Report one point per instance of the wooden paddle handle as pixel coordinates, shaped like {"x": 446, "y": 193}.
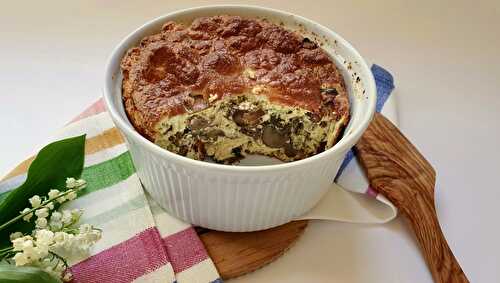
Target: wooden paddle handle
{"x": 438, "y": 255}
{"x": 396, "y": 169}
{"x": 440, "y": 259}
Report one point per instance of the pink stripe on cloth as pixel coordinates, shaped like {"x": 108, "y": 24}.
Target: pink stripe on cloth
{"x": 124, "y": 262}
{"x": 371, "y": 192}
{"x": 184, "y": 249}
{"x": 94, "y": 109}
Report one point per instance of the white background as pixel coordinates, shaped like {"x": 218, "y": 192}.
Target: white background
{"x": 445, "y": 58}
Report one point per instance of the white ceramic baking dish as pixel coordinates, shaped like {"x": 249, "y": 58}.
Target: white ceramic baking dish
{"x": 242, "y": 198}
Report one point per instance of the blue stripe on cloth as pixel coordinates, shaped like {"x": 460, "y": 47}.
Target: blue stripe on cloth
{"x": 385, "y": 85}
{"x": 12, "y": 183}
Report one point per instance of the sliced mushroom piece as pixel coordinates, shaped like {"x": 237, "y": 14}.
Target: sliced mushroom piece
{"x": 245, "y": 118}
{"x": 197, "y": 123}
{"x": 214, "y": 133}
{"x": 329, "y": 90}
{"x": 273, "y": 137}
{"x": 255, "y": 132}
{"x": 289, "y": 150}
{"x": 199, "y": 148}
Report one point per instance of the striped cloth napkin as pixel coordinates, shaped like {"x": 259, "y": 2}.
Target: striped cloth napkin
{"x": 141, "y": 242}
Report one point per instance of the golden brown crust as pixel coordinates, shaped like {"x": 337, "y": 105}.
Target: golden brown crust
{"x": 179, "y": 69}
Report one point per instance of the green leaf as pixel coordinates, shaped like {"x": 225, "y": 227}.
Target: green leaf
{"x": 24, "y": 274}
{"x": 53, "y": 164}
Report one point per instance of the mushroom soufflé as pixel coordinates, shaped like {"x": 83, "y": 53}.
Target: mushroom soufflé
{"x": 223, "y": 87}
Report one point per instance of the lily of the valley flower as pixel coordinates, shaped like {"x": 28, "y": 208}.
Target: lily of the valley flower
{"x": 55, "y": 236}
{"x": 41, "y": 223}
{"x": 15, "y": 235}
{"x": 42, "y": 205}
{"x": 28, "y": 216}
{"x": 61, "y": 243}
{"x": 35, "y": 201}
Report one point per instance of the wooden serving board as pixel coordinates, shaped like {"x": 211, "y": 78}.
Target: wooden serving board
{"x": 235, "y": 254}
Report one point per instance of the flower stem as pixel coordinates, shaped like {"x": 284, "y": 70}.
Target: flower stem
{"x": 60, "y": 258}
{"x": 20, "y": 216}
{"x": 70, "y": 230}
{"x": 4, "y": 253}
{"x": 6, "y": 249}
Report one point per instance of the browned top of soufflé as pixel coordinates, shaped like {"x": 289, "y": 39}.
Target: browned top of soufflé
{"x": 178, "y": 69}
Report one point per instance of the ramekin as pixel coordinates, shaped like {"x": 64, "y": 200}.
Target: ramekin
{"x": 242, "y": 198}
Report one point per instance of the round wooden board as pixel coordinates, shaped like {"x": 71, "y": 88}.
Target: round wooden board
{"x": 235, "y": 254}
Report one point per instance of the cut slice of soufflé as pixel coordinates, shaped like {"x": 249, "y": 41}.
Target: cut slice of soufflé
{"x": 223, "y": 87}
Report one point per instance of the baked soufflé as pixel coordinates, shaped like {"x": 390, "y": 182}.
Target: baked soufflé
{"x": 223, "y": 87}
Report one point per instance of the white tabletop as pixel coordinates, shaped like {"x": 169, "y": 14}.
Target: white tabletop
{"x": 446, "y": 62}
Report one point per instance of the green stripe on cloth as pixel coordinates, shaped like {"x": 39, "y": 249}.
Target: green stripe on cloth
{"x": 103, "y": 175}
{"x": 138, "y": 202}
{"x": 108, "y": 173}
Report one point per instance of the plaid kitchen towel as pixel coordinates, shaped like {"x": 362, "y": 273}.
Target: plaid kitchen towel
{"x": 141, "y": 242}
